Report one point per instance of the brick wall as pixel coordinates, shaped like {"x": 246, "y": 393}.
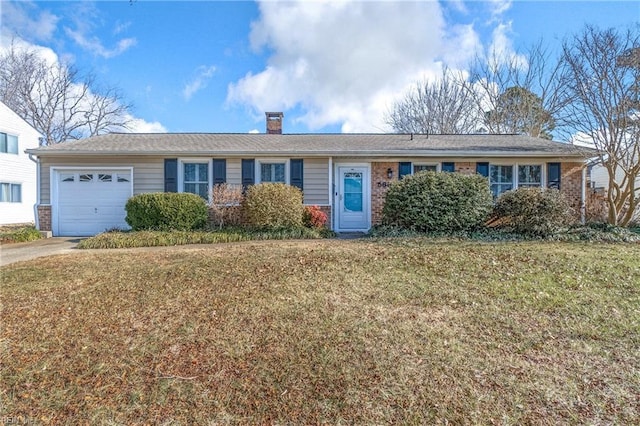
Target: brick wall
{"x": 44, "y": 218}
{"x": 327, "y": 210}
{"x": 571, "y": 184}
{"x": 379, "y": 187}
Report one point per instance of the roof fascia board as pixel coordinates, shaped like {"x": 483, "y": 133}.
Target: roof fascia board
{"x": 377, "y": 154}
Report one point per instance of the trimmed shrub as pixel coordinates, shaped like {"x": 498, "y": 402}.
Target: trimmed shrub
{"x": 273, "y": 205}
{"x": 313, "y": 217}
{"x": 533, "y": 211}
{"x": 431, "y": 201}
{"x": 164, "y": 211}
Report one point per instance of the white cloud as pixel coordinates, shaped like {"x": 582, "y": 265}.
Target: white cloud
{"x": 95, "y": 45}
{"x": 17, "y": 20}
{"x": 502, "y": 46}
{"x": 345, "y": 62}
{"x": 199, "y": 82}
{"x": 499, "y": 7}
{"x": 121, "y": 27}
{"x": 138, "y": 125}
{"x": 85, "y": 18}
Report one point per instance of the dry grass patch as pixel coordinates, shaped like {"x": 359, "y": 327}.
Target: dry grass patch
{"x": 404, "y": 331}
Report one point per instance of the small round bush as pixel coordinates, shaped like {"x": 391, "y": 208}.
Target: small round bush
{"x": 313, "y": 217}
{"x": 431, "y": 201}
{"x": 273, "y": 205}
{"x": 533, "y": 211}
{"x": 164, "y": 211}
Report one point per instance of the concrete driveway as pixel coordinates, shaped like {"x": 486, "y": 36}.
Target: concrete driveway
{"x": 11, "y": 253}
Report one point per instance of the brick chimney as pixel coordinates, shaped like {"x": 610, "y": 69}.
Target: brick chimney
{"x": 274, "y": 123}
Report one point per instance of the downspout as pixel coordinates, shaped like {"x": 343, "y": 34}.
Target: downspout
{"x": 331, "y": 192}
{"x": 583, "y": 197}
{"x": 35, "y": 207}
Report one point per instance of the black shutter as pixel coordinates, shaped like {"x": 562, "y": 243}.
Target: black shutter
{"x": 482, "y": 169}
{"x": 404, "y": 169}
{"x": 553, "y": 175}
{"x": 219, "y": 170}
{"x": 448, "y": 167}
{"x": 297, "y": 173}
{"x": 248, "y": 172}
{"x": 171, "y": 175}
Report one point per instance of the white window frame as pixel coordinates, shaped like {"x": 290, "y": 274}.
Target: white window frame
{"x": 261, "y": 161}
{"x": 515, "y": 168}
{"x": 438, "y": 166}
{"x": 529, "y": 185}
{"x": 207, "y": 161}
{"x": 7, "y": 134}
{"x": 513, "y": 177}
{"x": 11, "y": 185}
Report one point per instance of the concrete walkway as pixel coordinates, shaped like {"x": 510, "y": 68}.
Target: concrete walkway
{"x": 11, "y": 253}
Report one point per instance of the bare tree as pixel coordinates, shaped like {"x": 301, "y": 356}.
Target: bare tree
{"x": 504, "y": 92}
{"x": 517, "y": 92}
{"x": 442, "y": 106}
{"x": 55, "y": 100}
{"x": 602, "y": 75}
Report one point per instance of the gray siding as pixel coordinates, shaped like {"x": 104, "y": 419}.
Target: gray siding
{"x": 148, "y": 172}
{"x": 316, "y": 181}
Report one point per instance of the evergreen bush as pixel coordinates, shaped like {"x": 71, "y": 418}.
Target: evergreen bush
{"x": 431, "y": 201}
{"x": 164, "y": 211}
{"x": 533, "y": 211}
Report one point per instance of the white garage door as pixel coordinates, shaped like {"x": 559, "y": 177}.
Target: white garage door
{"x": 91, "y": 201}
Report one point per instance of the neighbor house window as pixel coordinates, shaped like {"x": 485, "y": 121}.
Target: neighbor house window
{"x": 425, "y": 168}
{"x": 529, "y": 176}
{"x": 273, "y": 172}
{"x": 8, "y": 143}
{"x": 500, "y": 178}
{"x": 196, "y": 179}
{"x": 10, "y": 192}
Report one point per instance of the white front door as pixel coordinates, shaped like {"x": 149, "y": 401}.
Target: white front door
{"x": 353, "y": 198}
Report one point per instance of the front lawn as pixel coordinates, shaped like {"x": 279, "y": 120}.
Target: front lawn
{"x": 402, "y": 331}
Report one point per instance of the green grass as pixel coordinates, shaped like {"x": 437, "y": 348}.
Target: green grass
{"x": 18, "y": 234}
{"x": 398, "y": 331}
{"x": 172, "y": 238}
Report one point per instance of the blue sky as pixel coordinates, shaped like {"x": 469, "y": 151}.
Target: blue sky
{"x": 212, "y": 66}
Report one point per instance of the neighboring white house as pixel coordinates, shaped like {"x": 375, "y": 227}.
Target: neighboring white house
{"x": 17, "y": 171}
{"x": 599, "y": 176}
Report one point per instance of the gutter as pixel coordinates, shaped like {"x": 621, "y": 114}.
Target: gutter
{"x": 375, "y": 153}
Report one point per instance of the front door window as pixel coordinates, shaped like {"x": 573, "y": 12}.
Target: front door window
{"x": 353, "y": 192}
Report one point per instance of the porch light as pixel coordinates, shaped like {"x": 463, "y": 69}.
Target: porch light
{"x": 390, "y": 173}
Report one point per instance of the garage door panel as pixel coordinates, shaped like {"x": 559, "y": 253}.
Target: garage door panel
{"x": 92, "y": 201}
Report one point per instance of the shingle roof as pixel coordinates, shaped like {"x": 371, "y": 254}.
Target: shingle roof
{"x": 377, "y": 145}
